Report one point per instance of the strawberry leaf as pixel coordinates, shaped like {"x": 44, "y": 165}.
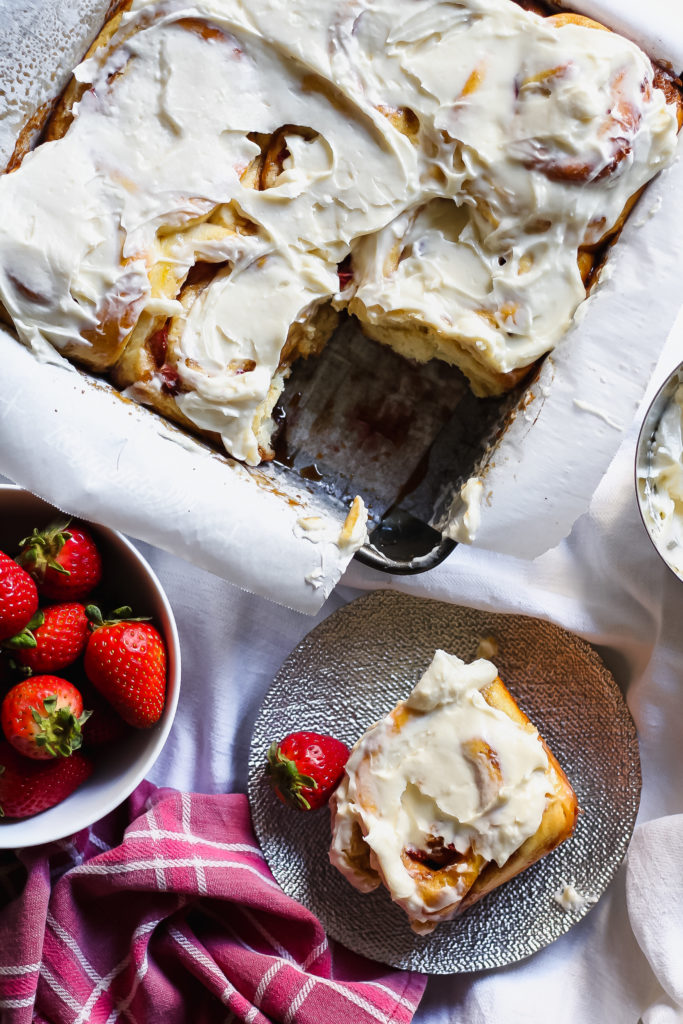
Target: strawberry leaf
{"x": 37, "y": 620}
{"x": 94, "y": 615}
{"x": 60, "y": 732}
{"x": 287, "y": 780}
{"x": 58, "y": 568}
{"x": 23, "y": 671}
{"x": 122, "y": 614}
{"x": 25, "y": 638}
{"x": 40, "y": 551}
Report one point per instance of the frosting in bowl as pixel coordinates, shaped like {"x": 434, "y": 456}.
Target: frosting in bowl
{"x": 664, "y": 503}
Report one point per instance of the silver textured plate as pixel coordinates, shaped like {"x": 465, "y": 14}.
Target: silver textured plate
{"x": 351, "y": 670}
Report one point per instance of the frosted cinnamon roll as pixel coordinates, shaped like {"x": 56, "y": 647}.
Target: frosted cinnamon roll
{"x": 450, "y": 795}
{"x": 553, "y": 126}
{"x": 200, "y": 375}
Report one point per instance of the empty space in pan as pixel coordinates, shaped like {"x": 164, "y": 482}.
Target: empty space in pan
{"x": 360, "y": 419}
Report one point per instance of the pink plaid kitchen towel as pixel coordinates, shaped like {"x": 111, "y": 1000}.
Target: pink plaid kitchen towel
{"x": 165, "y": 911}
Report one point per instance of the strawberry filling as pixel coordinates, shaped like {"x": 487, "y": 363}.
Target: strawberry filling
{"x": 437, "y": 856}
{"x": 170, "y": 378}
{"x": 158, "y": 345}
{"x": 345, "y": 273}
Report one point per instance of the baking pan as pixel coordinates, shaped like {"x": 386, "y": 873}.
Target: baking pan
{"x": 361, "y": 420}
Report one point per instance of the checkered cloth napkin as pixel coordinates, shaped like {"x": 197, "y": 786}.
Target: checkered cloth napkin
{"x": 165, "y": 911}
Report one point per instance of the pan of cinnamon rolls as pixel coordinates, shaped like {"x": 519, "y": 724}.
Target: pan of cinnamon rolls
{"x": 219, "y": 181}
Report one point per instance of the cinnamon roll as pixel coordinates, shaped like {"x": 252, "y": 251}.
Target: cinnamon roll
{"x": 450, "y": 795}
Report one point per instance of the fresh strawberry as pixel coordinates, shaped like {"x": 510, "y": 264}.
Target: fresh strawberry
{"x": 105, "y": 728}
{"x": 58, "y": 639}
{"x": 63, "y": 559}
{"x": 28, "y": 787}
{"x": 305, "y": 767}
{"x": 125, "y": 659}
{"x": 105, "y": 725}
{"x": 18, "y": 597}
{"x": 42, "y": 717}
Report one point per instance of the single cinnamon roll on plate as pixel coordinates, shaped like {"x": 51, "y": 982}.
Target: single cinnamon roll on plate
{"x": 450, "y": 795}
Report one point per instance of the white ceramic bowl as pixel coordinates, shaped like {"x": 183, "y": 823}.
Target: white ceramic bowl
{"x": 645, "y": 487}
{"x": 117, "y": 771}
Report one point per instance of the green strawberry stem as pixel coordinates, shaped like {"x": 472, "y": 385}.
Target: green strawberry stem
{"x": 19, "y": 670}
{"x": 26, "y": 637}
{"x": 287, "y": 780}
{"x": 41, "y": 549}
{"x": 123, "y": 614}
{"x": 59, "y": 731}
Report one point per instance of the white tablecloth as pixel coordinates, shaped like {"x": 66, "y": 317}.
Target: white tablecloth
{"x": 624, "y": 961}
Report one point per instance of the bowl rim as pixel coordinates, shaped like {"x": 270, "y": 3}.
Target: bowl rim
{"x": 169, "y": 632}
{"x": 646, "y": 435}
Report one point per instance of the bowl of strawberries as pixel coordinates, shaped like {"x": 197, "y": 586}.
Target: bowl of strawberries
{"x": 89, "y": 670}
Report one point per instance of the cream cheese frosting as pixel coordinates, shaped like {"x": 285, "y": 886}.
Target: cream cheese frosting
{"x": 414, "y": 778}
{"x": 665, "y": 491}
{"x": 464, "y": 518}
{"x": 570, "y": 899}
{"x": 525, "y": 143}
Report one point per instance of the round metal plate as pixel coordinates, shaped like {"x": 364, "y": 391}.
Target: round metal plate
{"x": 350, "y": 671}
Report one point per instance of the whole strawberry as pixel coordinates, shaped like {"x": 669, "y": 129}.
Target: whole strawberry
{"x": 63, "y": 559}
{"x": 105, "y": 727}
{"x": 305, "y": 767}
{"x": 60, "y": 633}
{"x": 42, "y": 717}
{"x": 28, "y": 787}
{"x": 18, "y": 597}
{"x": 125, "y": 659}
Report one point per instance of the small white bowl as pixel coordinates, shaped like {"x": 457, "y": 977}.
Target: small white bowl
{"x": 645, "y": 486}
{"x": 117, "y": 769}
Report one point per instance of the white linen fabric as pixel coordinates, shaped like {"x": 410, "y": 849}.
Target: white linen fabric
{"x": 624, "y": 962}
{"x": 606, "y": 582}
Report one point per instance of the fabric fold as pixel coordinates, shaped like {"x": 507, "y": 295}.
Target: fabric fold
{"x": 167, "y": 911}
{"x": 654, "y": 897}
